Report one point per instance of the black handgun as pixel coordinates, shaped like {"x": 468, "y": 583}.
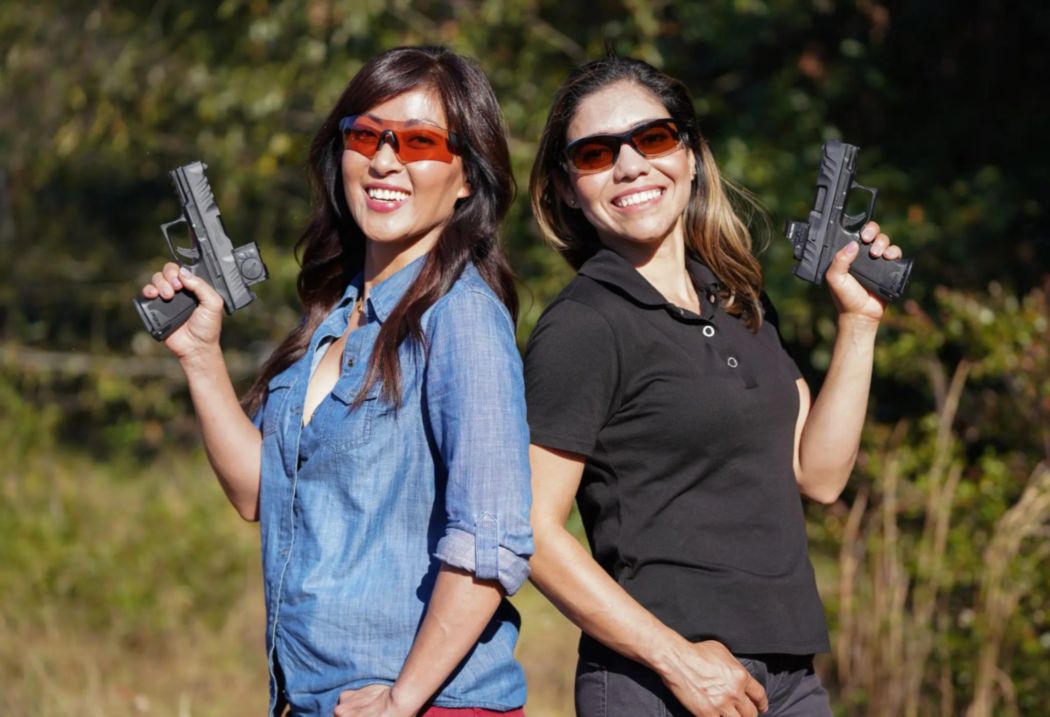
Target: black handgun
{"x": 212, "y": 257}
{"x": 829, "y": 228}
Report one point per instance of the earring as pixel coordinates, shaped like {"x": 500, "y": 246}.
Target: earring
{"x": 571, "y": 201}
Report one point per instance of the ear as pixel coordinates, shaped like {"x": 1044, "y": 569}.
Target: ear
{"x": 692, "y": 166}
{"x": 563, "y": 188}
{"x": 465, "y": 190}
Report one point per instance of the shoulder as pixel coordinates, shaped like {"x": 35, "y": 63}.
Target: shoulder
{"x": 578, "y": 326}
{"x": 583, "y": 302}
{"x": 469, "y": 303}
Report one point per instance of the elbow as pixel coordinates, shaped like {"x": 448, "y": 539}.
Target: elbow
{"x": 824, "y": 484}
{"x": 547, "y": 539}
{"x": 824, "y": 490}
{"x": 824, "y": 496}
{"x": 249, "y": 512}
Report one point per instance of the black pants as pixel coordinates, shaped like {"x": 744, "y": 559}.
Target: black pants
{"x": 624, "y": 688}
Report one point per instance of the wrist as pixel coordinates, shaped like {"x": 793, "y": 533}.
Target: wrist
{"x": 201, "y": 358}
{"x": 663, "y": 654}
{"x": 858, "y": 325}
{"x": 403, "y": 700}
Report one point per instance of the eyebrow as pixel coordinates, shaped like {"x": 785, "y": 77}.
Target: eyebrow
{"x": 408, "y": 122}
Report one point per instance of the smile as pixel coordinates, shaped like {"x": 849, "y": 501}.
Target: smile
{"x": 631, "y": 200}
{"x": 386, "y": 195}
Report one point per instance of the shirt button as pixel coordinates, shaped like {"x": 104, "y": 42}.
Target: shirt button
{"x": 709, "y": 330}
{"x": 733, "y": 363}
{"x": 350, "y": 362}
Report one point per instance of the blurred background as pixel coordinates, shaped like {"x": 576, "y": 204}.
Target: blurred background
{"x": 127, "y": 584}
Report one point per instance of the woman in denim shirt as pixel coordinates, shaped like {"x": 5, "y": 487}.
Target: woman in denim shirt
{"x": 387, "y": 457}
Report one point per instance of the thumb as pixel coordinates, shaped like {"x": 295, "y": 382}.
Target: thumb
{"x": 206, "y": 295}
{"x": 843, "y": 259}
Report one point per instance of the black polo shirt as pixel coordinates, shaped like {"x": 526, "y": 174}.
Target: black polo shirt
{"x": 687, "y": 422}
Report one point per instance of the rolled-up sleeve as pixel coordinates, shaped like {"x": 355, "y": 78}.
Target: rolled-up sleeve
{"x": 475, "y": 401}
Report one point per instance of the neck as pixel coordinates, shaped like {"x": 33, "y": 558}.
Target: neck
{"x": 383, "y": 259}
{"x": 662, "y": 264}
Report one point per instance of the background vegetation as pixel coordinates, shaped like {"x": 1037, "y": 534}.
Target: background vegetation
{"x": 128, "y": 586}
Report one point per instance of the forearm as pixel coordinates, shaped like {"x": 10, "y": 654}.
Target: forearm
{"x": 232, "y": 442}
{"x": 571, "y": 579}
{"x": 831, "y": 434}
{"x": 460, "y": 608}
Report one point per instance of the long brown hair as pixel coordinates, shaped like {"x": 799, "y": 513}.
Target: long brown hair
{"x": 332, "y": 246}
{"x": 712, "y": 228}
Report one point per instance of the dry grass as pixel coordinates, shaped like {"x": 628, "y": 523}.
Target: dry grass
{"x": 894, "y": 618}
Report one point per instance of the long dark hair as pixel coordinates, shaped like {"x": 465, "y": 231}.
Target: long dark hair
{"x": 333, "y": 247}
{"x": 712, "y": 228}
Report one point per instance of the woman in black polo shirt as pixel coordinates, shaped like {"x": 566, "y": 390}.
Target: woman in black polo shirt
{"x": 660, "y": 397}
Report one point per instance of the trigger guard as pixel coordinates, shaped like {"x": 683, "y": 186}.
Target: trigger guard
{"x": 179, "y": 253}
{"x": 854, "y": 221}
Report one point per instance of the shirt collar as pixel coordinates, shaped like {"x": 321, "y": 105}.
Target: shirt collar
{"x": 617, "y": 274}
{"x": 384, "y": 296}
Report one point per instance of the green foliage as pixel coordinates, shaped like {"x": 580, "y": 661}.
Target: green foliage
{"x": 120, "y": 547}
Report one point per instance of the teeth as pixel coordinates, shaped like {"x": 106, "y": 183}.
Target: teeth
{"x": 632, "y": 199}
{"x": 387, "y": 195}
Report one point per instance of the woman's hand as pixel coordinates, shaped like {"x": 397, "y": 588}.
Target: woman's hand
{"x": 710, "y": 682}
{"x": 851, "y": 299}
{"x": 201, "y": 330}
{"x": 370, "y": 701}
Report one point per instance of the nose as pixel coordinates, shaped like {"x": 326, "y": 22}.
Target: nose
{"x": 629, "y": 164}
{"x": 385, "y": 160}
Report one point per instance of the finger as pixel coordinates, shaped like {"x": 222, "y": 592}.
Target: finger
{"x": 171, "y": 273}
{"x": 757, "y": 694}
{"x": 163, "y": 286}
{"x": 892, "y": 252}
{"x": 879, "y": 245}
{"x": 869, "y": 232}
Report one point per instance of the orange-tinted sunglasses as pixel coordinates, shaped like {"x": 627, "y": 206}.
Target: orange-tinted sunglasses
{"x": 600, "y": 151}
{"x": 411, "y": 141}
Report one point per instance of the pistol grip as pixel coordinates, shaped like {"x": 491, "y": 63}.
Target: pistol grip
{"x": 161, "y": 317}
{"x": 885, "y": 277}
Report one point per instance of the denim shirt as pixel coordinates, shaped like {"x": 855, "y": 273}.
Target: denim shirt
{"x": 360, "y": 508}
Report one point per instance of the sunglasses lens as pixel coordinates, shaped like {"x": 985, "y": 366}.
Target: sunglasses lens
{"x": 359, "y": 137}
{"x": 655, "y": 140}
{"x": 592, "y": 156}
{"x": 422, "y": 144}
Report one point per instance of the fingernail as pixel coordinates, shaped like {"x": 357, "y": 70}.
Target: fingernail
{"x": 183, "y": 271}
{"x": 868, "y": 232}
{"x": 852, "y": 247}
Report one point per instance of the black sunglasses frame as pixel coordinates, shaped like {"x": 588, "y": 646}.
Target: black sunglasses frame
{"x": 615, "y": 142}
